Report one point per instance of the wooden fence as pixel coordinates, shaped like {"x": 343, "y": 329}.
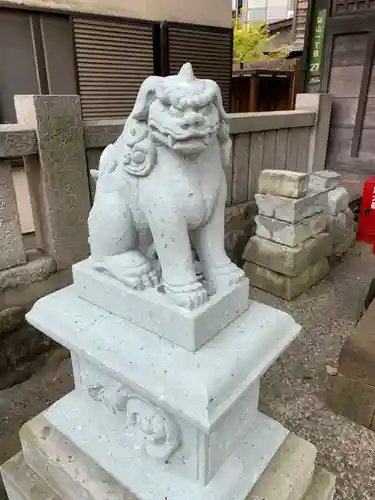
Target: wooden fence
{"x": 58, "y": 149}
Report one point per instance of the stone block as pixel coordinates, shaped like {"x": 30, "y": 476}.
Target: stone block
{"x": 152, "y": 310}
{"x": 344, "y": 246}
{"x": 289, "y": 261}
{"x": 283, "y": 183}
{"x": 323, "y": 180}
{"x": 22, "y": 483}
{"x": 10, "y": 319}
{"x": 353, "y": 399}
{"x": 322, "y": 486}
{"x": 289, "y": 234}
{"x": 286, "y": 287}
{"x": 289, "y": 474}
{"x": 289, "y": 209}
{"x": 11, "y": 244}
{"x": 338, "y": 200}
{"x": 357, "y": 357}
{"x": 340, "y": 226}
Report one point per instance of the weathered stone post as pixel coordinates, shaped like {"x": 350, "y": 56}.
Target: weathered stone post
{"x": 58, "y": 180}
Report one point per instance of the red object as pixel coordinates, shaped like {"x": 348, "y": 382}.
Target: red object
{"x": 366, "y": 227}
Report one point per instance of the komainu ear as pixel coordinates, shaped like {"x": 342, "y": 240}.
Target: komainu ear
{"x": 146, "y": 96}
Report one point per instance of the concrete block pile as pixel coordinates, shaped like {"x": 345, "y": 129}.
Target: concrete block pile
{"x": 290, "y": 250}
{"x": 340, "y": 219}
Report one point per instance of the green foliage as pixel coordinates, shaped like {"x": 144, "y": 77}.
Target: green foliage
{"x": 250, "y": 43}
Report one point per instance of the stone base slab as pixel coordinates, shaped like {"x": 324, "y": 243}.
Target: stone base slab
{"x": 288, "y": 473}
{"x": 287, "y": 260}
{"x": 288, "y": 234}
{"x": 153, "y": 311}
{"x": 283, "y": 286}
{"x": 57, "y": 446}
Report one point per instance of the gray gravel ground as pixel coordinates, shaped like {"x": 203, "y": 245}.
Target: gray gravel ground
{"x": 293, "y": 391}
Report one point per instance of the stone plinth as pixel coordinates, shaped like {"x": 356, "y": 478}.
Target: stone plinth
{"x": 151, "y": 309}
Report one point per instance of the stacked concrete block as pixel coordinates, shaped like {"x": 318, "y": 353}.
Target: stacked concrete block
{"x": 289, "y": 252}
{"x": 340, "y": 219}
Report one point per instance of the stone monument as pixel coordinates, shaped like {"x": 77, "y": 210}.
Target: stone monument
{"x": 167, "y": 361}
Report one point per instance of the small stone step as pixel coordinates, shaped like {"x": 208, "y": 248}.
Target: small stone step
{"x": 322, "y": 486}
{"x": 289, "y": 474}
{"x": 22, "y": 483}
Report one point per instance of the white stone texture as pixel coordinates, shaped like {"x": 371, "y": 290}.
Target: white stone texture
{"x": 289, "y": 261}
{"x": 134, "y": 194}
{"x": 290, "y": 234}
{"x": 283, "y": 183}
{"x": 289, "y": 209}
{"x": 286, "y": 287}
{"x": 152, "y": 310}
{"x": 338, "y": 200}
{"x": 323, "y": 180}
{"x": 22, "y": 483}
{"x": 289, "y": 474}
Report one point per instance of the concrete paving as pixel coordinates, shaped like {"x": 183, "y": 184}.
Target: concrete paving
{"x": 293, "y": 391}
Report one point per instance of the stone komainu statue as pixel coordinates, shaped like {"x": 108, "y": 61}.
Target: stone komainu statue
{"x": 165, "y": 174}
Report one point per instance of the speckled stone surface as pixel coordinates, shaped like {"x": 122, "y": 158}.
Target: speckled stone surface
{"x": 294, "y": 390}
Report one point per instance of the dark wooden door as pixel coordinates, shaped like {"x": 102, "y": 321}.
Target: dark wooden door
{"x": 349, "y": 75}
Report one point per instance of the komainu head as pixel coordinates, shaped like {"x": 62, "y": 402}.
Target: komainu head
{"x": 180, "y": 112}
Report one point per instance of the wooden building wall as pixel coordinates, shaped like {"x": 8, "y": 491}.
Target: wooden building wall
{"x": 349, "y": 75}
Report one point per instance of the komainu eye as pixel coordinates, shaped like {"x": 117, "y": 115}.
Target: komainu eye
{"x": 175, "y": 112}
{"x": 206, "y": 110}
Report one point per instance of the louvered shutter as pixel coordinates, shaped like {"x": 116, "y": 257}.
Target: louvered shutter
{"x": 113, "y": 58}
{"x": 208, "y": 49}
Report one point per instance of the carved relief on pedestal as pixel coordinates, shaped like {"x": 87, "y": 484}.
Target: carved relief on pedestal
{"x": 164, "y": 175}
{"x": 160, "y": 431}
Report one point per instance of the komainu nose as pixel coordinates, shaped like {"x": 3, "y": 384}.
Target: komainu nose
{"x": 194, "y": 118}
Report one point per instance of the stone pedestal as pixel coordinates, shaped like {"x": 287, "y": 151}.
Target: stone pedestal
{"x": 150, "y": 419}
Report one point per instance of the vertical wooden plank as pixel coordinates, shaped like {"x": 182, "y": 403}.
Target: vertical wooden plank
{"x": 292, "y": 149}
{"x": 228, "y": 171}
{"x": 366, "y": 76}
{"x": 303, "y": 149}
{"x": 281, "y": 149}
{"x": 269, "y": 149}
{"x": 11, "y": 244}
{"x": 240, "y": 168}
{"x": 255, "y": 162}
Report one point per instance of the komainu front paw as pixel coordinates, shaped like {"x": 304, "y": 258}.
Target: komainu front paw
{"x": 224, "y": 277}
{"x": 133, "y": 269}
{"x": 188, "y": 296}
